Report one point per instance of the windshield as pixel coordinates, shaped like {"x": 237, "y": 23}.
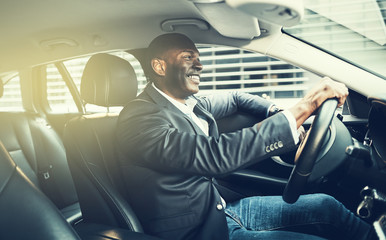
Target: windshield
{"x": 351, "y": 29}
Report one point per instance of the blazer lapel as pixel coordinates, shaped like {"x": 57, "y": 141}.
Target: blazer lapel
{"x": 162, "y": 101}
{"x": 200, "y": 111}
{"x": 157, "y": 97}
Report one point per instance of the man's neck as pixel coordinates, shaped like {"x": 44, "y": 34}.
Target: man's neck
{"x": 163, "y": 90}
{"x": 188, "y": 106}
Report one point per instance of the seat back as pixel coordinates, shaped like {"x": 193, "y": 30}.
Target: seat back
{"x": 89, "y": 140}
{"x": 26, "y": 213}
{"x": 39, "y": 152}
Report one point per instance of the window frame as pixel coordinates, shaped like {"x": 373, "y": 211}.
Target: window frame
{"x": 67, "y": 78}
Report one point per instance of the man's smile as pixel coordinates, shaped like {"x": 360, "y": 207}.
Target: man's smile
{"x": 194, "y": 78}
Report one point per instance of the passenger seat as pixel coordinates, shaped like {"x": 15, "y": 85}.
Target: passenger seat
{"x": 40, "y": 154}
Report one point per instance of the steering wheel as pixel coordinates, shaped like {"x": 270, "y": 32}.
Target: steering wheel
{"x": 308, "y": 151}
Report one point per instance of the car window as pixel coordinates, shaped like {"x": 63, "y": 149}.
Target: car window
{"x": 225, "y": 69}
{"x": 230, "y": 69}
{"x": 352, "y": 30}
{"x": 11, "y": 100}
{"x": 59, "y": 96}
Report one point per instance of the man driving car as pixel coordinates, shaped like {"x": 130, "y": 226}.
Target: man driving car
{"x": 171, "y": 151}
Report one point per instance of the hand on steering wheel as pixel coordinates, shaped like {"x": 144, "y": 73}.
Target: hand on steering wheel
{"x": 308, "y": 151}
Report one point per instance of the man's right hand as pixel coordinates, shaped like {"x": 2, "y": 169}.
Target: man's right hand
{"x": 324, "y": 90}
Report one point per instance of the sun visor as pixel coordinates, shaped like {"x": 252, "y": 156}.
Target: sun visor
{"x": 229, "y": 21}
{"x": 285, "y": 13}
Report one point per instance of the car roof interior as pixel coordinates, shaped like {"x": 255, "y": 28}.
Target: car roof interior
{"x": 40, "y": 32}
{"x": 66, "y": 29}
{"x": 70, "y": 28}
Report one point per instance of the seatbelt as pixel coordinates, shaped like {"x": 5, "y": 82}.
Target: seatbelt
{"x": 44, "y": 164}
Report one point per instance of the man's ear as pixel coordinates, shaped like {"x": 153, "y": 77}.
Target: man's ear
{"x": 159, "y": 66}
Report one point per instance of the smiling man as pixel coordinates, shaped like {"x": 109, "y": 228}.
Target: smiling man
{"x": 176, "y": 70}
{"x": 171, "y": 150}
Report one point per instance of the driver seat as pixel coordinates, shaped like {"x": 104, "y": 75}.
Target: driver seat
{"x": 89, "y": 140}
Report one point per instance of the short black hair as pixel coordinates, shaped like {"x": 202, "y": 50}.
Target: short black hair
{"x": 165, "y": 42}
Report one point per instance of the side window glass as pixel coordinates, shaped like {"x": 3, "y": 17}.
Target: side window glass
{"x": 59, "y": 96}
{"x": 11, "y": 100}
{"x": 76, "y": 66}
{"x": 229, "y": 69}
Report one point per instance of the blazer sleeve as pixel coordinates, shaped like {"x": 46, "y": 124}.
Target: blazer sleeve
{"x": 151, "y": 136}
{"x": 222, "y": 105}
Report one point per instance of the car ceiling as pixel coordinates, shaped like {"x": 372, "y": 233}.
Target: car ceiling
{"x": 39, "y": 31}
{"x": 86, "y": 25}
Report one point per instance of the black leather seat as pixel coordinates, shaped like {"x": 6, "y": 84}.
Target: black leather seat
{"x": 107, "y": 81}
{"x": 26, "y": 213}
{"x": 40, "y": 154}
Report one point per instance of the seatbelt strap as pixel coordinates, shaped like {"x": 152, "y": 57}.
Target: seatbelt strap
{"x": 44, "y": 163}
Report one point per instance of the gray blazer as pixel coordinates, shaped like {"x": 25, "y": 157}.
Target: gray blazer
{"x": 168, "y": 163}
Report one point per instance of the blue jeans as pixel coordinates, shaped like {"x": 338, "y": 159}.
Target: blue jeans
{"x": 314, "y": 216}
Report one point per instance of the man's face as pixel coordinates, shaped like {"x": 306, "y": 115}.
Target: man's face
{"x": 183, "y": 69}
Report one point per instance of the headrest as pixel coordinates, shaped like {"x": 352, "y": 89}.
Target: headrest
{"x": 108, "y": 81}
{"x": 1, "y": 88}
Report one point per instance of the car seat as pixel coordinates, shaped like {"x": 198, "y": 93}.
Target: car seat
{"x": 26, "y": 213}
{"x": 89, "y": 140}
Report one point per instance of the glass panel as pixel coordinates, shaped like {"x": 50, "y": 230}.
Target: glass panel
{"x": 59, "y": 97}
{"x": 11, "y": 100}
{"x": 353, "y": 30}
{"x": 230, "y": 69}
